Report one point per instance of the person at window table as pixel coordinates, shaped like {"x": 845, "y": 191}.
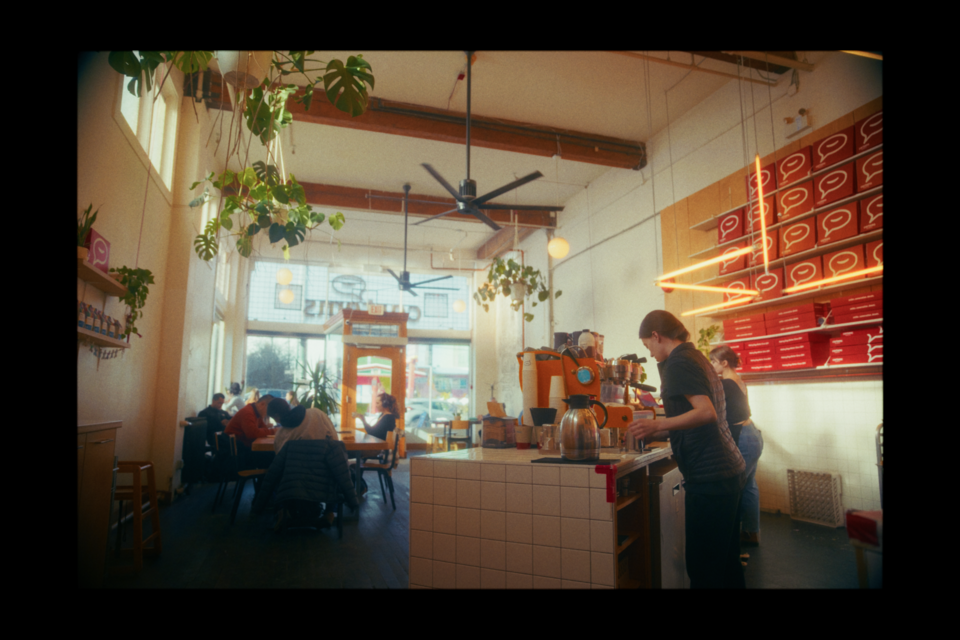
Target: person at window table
{"x": 709, "y": 460}
{"x": 299, "y": 423}
{"x": 745, "y": 433}
{"x": 235, "y": 403}
{"x": 248, "y": 425}
{"x": 217, "y": 418}
{"x": 386, "y": 405}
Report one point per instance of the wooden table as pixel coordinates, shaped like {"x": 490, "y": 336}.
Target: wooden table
{"x": 355, "y": 448}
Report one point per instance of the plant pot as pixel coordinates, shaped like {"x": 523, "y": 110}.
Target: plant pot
{"x": 518, "y": 291}
{"x": 82, "y": 253}
{"x": 244, "y": 69}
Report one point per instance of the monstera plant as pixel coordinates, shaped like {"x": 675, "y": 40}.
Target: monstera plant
{"x": 510, "y": 278}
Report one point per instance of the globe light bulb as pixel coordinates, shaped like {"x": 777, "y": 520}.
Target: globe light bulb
{"x": 284, "y": 276}
{"x": 558, "y": 248}
{"x": 286, "y": 296}
{"x": 459, "y": 306}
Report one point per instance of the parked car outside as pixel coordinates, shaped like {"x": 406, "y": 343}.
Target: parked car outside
{"x": 437, "y": 410}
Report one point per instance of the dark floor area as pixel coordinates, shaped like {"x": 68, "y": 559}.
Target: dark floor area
{"x": 202, "y": 550}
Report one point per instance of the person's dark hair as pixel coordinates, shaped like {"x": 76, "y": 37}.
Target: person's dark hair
{"x": 664, "y": 323}
{"x": 277, "y": 409}
{"x": 723, "y": 352}
{"x": 389, "y": 404}
{"x": 235, "y": 389}
{"x": 217, "y": 396}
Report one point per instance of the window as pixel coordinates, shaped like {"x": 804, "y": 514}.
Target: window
{"x": 441, "y": 381}
{"x": 214, "y": 380}
{"x": 152, "y": 119}
{"x": 223, "y": 273}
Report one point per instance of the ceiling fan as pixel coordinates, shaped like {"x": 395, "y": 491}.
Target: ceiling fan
{"x": 404, "y": 278}
{"x": 467, "y": 200}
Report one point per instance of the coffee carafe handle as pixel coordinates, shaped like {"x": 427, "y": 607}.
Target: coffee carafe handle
{"x": 605, "y": 415}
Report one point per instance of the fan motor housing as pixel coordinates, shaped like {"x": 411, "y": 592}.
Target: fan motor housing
{"x": 468, "y": 188}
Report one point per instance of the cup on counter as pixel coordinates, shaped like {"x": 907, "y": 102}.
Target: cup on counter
{"x": 523, "y": 437}
{"x": 549, "y": 443}
{"x": 604, "y": 437}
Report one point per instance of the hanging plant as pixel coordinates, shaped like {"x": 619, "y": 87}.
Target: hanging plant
{"x": 136, "y": 281}
{"x": 321, "y": 391}
{"x": 511, "y": 279}
{"x": 258, "y": 199}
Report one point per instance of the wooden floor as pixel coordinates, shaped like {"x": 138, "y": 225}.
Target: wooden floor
{"x": 202, "y": 550}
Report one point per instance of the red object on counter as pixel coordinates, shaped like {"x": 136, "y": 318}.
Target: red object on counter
{"x": 610, "y": 470}
{"x": 871, "y": 213}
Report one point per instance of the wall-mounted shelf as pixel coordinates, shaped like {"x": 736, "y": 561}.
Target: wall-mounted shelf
{"x": 827, "y": 328}
{"x": 862, "y": 238}
{"x": 89, "y": 273}
{"x": 623, "y": 501}
{"x": 775, "y": 227}
{"x": 794, "y": 297}
{"x": 815, "y": 374}
{"x": 102, "y": 340}
{"x": 711, "y": 223}
{"x": 626, "y": 543}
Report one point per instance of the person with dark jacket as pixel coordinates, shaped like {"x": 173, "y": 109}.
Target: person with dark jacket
{"x": 217, "y": 419}
{"x": 305, "y": 473}
{"x": 703, "y": 447}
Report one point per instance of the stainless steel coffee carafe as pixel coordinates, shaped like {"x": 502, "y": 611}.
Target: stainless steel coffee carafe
{"x": 579, "y": 431}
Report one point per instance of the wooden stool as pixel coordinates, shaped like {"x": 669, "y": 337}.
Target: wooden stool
{"x": 135, "y": 493}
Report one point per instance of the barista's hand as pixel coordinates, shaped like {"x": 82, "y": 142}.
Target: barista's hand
{"x": 644, "y": 428}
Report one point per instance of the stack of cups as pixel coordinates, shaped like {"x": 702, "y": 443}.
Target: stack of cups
{"x": 556, "y": 398}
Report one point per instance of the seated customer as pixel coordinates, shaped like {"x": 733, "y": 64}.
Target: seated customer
{"x": 247, "y": 426}
{"x": 217, "y": 418}
{"x": 387, "y": 405}
{"x": 305, "y": 473}
{"x": 292, "y": 399}
{"x": 299, "y": 423}
{"x": 235, "y": 403}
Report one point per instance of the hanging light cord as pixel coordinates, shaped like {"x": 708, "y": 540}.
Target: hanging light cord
{"x": 653, "y": 181}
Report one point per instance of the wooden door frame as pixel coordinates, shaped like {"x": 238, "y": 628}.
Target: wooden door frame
{"x": 348, "y": 387}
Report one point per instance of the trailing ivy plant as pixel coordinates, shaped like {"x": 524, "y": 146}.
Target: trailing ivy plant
{"x": 706, "y": 336}
{"x": 136, "y": 281}
{"x": 345, "y": 85}
{"x": 258, "y": 199}
{"x": 504, "y": 276}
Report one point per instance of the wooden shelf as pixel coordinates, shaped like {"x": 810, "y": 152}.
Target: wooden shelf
{"x": 827, "y": 328}
{"x": 774, "y": 227}
{"x": 814, "y": 374}
{"x": 102, "y": 340}
{"x": 623, "y": 501}
{"x": 862, "y": 238}
{"x": 89, "y": 273}
{"x": 794, "y": 297}
{"x": 711, "y": 223}
{"x": 629, "y": 541}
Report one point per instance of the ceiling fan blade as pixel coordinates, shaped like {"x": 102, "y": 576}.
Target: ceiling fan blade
{"x": 395, "y": 275}
{"x": 438, "y": 288}
{"x": 417, "y": 284}
{"x": 507, "y": 187}
{"x": 412, "y": 292}
{"x": 446, "y": 185}
{"x": 520, "y": 207}
{"x": 483, "y": 218}
{"x": 439, "y": 215}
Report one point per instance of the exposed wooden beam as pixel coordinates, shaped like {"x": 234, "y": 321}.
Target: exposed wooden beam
{"x": 763, "y": 56}
{"x": 326, "y": 195}
{"x": 501, "y": 242}
{"x": 760, "y": 65}
{"x": 691, "y": 67}
{"x": 398, "y": 118}
{"x": 866, "y": 54}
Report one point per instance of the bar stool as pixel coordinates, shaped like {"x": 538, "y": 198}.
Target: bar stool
{"x": 134, "y": 493}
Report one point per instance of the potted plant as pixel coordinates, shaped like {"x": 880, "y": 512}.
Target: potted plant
{"x": 511, "y": 279}
{"x": 84, "y": 224}
{"x": 706, "y": 336}
{"x": 136, "y": 281}
{"x": 321, "y": 392}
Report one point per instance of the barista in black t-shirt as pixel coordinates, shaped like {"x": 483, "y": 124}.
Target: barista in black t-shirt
{"x": 712, "y": 467}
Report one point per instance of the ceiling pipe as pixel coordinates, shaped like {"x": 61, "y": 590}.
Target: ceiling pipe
{"x": 691, "y": 67}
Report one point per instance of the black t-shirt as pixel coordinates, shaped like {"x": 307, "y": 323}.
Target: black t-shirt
{"x": 214, "y": 416}
{"x": 707, "y": 455}
{"x": 738, "y": 409}
{"x": 387, "y": 422}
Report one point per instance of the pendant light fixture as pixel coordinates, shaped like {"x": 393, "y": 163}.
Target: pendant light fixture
{"x": 284, "y": 276}
{"x": 286, "y": 296}
{"x": 459, "y": 306}
{"x": 558, "y": 248}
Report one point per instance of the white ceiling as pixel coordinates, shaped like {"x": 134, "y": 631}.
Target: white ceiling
{"x": 593, "y": 92}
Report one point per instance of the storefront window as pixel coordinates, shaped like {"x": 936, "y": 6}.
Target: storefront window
{"x": 438, "y": 382}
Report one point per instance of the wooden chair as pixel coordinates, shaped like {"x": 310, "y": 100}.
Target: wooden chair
{"x": 135, "y": 494}
{"x": 458, "y": 425}
{"x": 385, "y": 468}
{"x": 229, "y": 463}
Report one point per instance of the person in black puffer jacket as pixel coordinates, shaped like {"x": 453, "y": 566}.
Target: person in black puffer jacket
{"x": 307, "y": 472}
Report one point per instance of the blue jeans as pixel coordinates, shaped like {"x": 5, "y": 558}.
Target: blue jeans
{"x": 751, "y": 446}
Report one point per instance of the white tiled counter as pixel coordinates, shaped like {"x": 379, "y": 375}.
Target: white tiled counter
{"x": 490, "y": 518}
